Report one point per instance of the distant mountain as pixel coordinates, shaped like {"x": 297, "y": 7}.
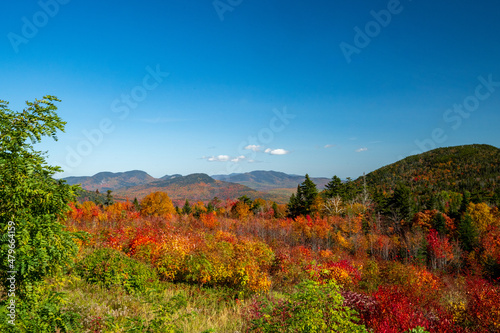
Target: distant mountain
{"x": 269, "y": 180}
{"x": 269, "y": 185}
{"x": 196, "y": 187}
{"x": 104, "y": 181}
{"x": 474, "y": 168}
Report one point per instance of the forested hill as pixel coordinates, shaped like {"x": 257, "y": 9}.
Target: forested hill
{"x": 474, "y": 168}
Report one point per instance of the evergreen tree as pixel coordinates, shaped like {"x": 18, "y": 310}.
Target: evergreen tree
{"x": 210, "y": 207}
{"x": 275, "y": 210}
{"x": 302, "y": 203}
{"x": 137, "y": 207}
{"x": 187, "y": 208}
{"x": 334, "y": 188}
{"x": 109, "y": 198}
{"x": 399, "y": 205}
{"x": 467, "y": 233}
{"x": 439, "y": 223}
{"x": 465, "y": 201}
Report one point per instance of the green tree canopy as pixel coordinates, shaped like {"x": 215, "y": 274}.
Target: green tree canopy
{"x": 30, "y": 198}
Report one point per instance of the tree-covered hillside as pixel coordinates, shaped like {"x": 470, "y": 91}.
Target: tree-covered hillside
{"x": 472, "y": 168}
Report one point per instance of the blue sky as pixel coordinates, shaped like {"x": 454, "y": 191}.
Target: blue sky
{"x": 320, "y": 87}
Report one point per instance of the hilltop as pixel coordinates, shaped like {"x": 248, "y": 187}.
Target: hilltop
{"x": 268, "y": 180}
{"x": 474, "y": 168}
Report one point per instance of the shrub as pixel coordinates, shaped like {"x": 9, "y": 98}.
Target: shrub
{"x": 41, "y": 310}
{"x": 110, "y": 268}
{"x": 311, "y": 308}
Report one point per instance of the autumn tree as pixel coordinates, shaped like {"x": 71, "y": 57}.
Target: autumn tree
{"x": 157, "y": 204}
{"x": 241, "y": 210}
{"x": 481, "y": 216}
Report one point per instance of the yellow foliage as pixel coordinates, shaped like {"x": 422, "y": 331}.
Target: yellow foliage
{"x": 241, "y": 210}
{"x": 481, "y": 215}
{"x": 157, "y": 204}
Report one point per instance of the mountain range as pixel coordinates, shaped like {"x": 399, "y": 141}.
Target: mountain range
{"x": 474, "y": 168}
{"x": 269, "y": 185}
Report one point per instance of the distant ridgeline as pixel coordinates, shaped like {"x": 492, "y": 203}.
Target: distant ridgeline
{"x": 436, "y": 173}
{"x": 95, "y": 196}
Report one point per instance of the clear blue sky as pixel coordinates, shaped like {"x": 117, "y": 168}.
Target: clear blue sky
{"x": 293, "y": 82}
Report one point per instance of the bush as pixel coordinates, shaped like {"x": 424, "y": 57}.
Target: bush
{"x": 110, "y": 268}
{"x": 40, "y": 310}
{"x": 311, "y": 308}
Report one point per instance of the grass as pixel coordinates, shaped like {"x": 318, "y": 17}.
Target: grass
{"x": 165, "y": 307}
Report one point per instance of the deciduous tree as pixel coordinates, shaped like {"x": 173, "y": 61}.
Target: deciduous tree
{"x": 32, "y": 202}
{"x": 157, "y": 204}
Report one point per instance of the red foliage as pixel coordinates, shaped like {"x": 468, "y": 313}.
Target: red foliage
{"x": 396, "y": 312}
{"x": 483, "y": 305}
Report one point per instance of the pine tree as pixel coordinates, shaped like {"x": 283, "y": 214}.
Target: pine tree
{"x": 187, "y": 208}
{"x": 334, "y": 188}
{"x": 109, "y": 198}
{"x": 467, "y": 233}
{"x": 302, "y": 203}
{"x": 137, "y": 207}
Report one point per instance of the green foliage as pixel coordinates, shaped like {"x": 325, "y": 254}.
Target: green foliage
{"x": 467, "y": 233}
{"x": 111, "y": 268}
{"x": 137, "y": 207}
{"x": 472, "y": 168}
{"x": 186, "y": 209}
{"x": 311, "y": 308}
{"x": 334, "y": 188}
{"x": 439, "y": 224}
{"x": 399, "y": 205}
{"x": 83, "y": 195}
{"x": 30, "y": 197}
{"x": 302, "y": 203}
{"x": 41, "y": 310}
{"x": 418, "y": 329}
{"x": 109, "y": 198}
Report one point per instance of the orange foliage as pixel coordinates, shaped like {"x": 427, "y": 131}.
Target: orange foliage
{"x": 209, "y": 220}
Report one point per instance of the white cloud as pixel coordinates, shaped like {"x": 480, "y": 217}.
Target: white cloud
{"x": 224, "y": 158}
{"x": 252, "y": 147}
{"x": 237, "y": 159}
{"x": 329, "y": 146}
{"x": 278, "y": 151}
{"x": 219, "y": 158}
{"x": 361, "y": 150}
